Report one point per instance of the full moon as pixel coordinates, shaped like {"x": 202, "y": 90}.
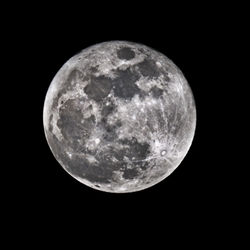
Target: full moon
{"x": 119, "y": 116}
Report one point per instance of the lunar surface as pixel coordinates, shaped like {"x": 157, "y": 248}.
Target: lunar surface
{"x": 119, "y": 116}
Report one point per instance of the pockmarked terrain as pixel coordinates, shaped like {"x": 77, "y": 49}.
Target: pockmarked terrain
{"x": 119, "y": 116}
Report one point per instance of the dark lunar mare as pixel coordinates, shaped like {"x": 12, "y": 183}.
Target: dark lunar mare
{"x": 124, "y": 83}
{"x": 156, "y": 92}
{"x": 98, "y": 88}
{"x": 125, "y": 53}
{"x": 136, "y": 153}
{"x": 148, "y": 68}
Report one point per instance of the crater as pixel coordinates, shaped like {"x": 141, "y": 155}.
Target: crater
{"x": 163, "y": 152}
{"x": 126, "y": 53}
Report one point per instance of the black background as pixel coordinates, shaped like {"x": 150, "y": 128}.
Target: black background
{"x": 195, "y": 196}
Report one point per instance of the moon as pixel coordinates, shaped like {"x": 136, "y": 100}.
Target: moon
{"x": 119, "y": 116}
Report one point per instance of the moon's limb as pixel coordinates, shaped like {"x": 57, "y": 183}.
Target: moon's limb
{"x": 119, "y": 116}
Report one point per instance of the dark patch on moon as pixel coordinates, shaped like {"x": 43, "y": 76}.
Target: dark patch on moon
{"x": 166, "y": 77}
{"x": 89, "y": 122}
{"x": 98, "y": 88}
{"x": 50, "y": 123}
{"x": 143, "y": 94}
{"x": 143, "y": 165}
{"x": 110, "y": 130}
{"x": 95, "y": 173}
{"x": 125, "y": 53}
{"x": 106, "y": 164}
{"x": 144, "y": 51}
{"x": 148, "y": 68}
{"x": 74, "y": 76}
{"x": 93, "y": 69}
{"x": 110, "y": 134}
{"x": 124, "y": 84}
{"x": 70, "y": 122}
{"x": 108, "y": 109}
{"x": 130, "y": 174}
{"x": 73, "y": 127}
{"x": 157, "y": 92}
{"x": 135, "y": 150}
